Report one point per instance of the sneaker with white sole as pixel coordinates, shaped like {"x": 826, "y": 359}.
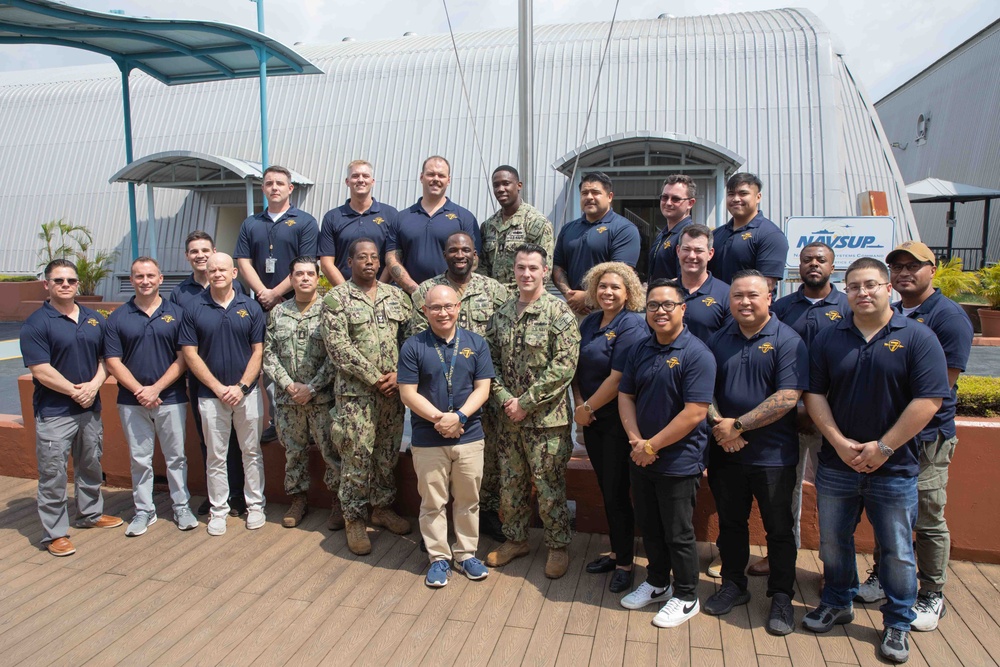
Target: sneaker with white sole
{"x": 714, "y": 569}
{"x": 870, "y": 589}
{"x": 255, "y": 519}
{"x": 929, "y": 609}
{"x": 646, "y": 594}
{"x": 676, "y": 612}
{"x": 185, "y": 519}
{"x": 895, "y": 646}
{"x": 472, "y": 568}
{"x": 824, "y": 617}
{"x": 437, "y": 574}
{"x": 140, "y": 523}
{"x": 217, "y": 525}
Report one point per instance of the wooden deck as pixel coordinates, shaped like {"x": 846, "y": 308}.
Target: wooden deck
{"x": 277, "y": 596}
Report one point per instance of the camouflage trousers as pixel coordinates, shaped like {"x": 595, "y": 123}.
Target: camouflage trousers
{"x": 367, "y": 431}
{"x": 539, "y": 456}
{"x": 299, "y": 426}
{"x": 489, "y": 493}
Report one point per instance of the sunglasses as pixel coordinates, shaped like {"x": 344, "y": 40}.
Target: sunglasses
{"x": 66, "y": 281}
{"x": 674, "y": 199}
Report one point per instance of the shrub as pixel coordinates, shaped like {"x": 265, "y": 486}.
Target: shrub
{"x": 952, "y": 280}
{"x": 978, "y": 396}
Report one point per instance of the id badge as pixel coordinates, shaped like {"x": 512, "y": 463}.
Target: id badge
{"x": 269, "y": 264}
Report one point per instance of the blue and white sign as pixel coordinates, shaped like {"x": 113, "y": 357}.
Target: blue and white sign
{"x": 850, "y": 237}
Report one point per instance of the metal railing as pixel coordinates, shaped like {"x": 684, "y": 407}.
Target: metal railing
{"x": 971, "y": 257}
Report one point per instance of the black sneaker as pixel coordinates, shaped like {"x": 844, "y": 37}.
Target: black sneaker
{"x": 237, "y": 506}
{"x": 491, "y": 526}
{"x": 270, "y": 434}
{"x": 621, "y": 581}
{"x": 895, "y": 645}
{"x": 727, "y": 597}
{"x": 781, "y": 620}
{"x": 824, "y": 617}
{"x": 205, "y": 507}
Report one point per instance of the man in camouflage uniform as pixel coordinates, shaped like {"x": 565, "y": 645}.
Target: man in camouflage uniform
{"x": 363, "y": 320}
{"x": 515, "y": 223}
{"x": 478, "y": 297}
{"x": 295, "y": 357}
{"x": 534, "y": 341}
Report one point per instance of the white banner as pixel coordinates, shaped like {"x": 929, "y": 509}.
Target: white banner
{"x": 850, "y": 237}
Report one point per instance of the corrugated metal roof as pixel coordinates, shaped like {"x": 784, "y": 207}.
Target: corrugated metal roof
{"x": 768, "y": 86}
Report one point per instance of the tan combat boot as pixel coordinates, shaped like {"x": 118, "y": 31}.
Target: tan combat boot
{"x": 388, "y": 519}
{"x": 507, "y": 552}
{"x": 336, "y": 520}
{"x": 557, "y": 563}
{"x": 357, "y": 538}
{"x": 293, "y": 516}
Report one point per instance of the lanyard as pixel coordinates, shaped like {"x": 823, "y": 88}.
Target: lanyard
{"x": 449, "y": 372}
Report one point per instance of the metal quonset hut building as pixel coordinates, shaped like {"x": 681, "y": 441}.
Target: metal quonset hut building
{"x": 767, "y": 92}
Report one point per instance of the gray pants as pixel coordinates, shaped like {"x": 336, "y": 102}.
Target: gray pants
{"x": 55, "y": 439}
{"x": 809, "y": 445}
{"x": 217, "y": 419}
{"x": 142, "y": 427}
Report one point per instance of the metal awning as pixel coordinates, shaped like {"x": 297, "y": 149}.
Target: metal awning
{"x": 190, "y": 170}
{"x": 703, "y": 151}
{"x": 938, "y": 191}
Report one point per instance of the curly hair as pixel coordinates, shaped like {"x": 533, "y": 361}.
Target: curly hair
{"x": 634, "y": 299}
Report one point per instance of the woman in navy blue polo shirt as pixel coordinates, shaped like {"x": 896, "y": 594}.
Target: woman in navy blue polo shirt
{"x": 605, "y": 337}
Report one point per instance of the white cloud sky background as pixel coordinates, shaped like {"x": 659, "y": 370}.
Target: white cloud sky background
{"x": 886, "y": 42}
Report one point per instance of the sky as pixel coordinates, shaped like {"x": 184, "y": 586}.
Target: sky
{"x": 886, "y": 42}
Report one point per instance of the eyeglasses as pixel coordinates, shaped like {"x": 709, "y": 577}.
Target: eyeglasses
{"x": 868, "y": 287}
{"x": 667, "y": 306}
{"x": 68, "y": 281}
{"x": 674, "y": 199}
{"x": 443, "y": 308}
{"x": 912, "y": 267}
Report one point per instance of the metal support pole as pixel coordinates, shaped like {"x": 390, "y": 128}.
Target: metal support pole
{"x": 249, "y": 198}
{"x": 151, "y": 221}
{"x": 262, "y": 58}
{"x": 525, "y": 92}
{"x": 986, "y": 233}
{"x": 951, "y": 226}
{"x": 127, "y": 109}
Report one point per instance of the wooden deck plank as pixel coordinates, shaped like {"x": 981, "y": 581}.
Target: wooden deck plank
{"x": 980, "y": 587}
{"x": 706, "y": 657}
{"x": 982, "y": 626}
{"x": 610, "y": 633}
{"x": 992, "y": 573}
{"x": 759, "y": 609}
{"x": 673, "y": 646}
{"x": 447, "y": 647}
{"x": 705, "y": 630}
{"x": 384, "y": 644}
{"x": 574, "y": 651}
{"x": 640, "y": 653}
{"x": 531, "y": 596}
{"x": 317, "y": 646}
{"x": 803, "y": 646}
{"x": 835, "y": 645}
{"x": 640, "y": 621}
{"x": 866, "y": 630}
{"x": 737, "y": 638}
{"x": 431, "y": 620}
{"x": 587, "y": 600}
{"x": 511, "y": 647}
{"x": 254, "y": 643}
{"x": 470, "y": 605}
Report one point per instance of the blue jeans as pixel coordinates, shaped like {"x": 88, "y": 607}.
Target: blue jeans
{"x": 891, "y": 505}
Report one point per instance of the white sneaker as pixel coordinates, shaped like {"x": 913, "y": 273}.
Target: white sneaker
{"x": 255, "y": 519}
{"x": 929, "y": 609}
{"x": 870, "y": 589}
{"x": 675, "y": 612}
{"x": 715, "y": 568}
{"x": 217, "y": 526}
{"x": 644, "y": 595}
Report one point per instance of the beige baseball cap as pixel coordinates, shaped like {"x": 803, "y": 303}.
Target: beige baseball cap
{"x": 915, "y": 248}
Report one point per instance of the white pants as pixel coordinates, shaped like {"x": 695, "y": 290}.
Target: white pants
{"x": 217, "y": 418}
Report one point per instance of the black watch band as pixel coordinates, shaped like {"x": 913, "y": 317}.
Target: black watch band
{"x": 244, "y": 388}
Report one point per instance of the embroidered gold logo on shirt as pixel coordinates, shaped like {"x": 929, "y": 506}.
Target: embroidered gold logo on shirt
{"x": 920, "y": 319}
{"x": 666, "y": 245}
{"x": 602, "y": 229}
{"x": 451, "y": 216}
{"x": 709, "y": 301}
{"x": 765, "y": 348}
{"x": 379, "y": 220}
{"x": 289, "y": 221}
{"x": 167, "y": 318}
{"x": 746, "y": 236}
{"x": 466, "y": 352}
{"x": 893, "y": 345}
{"x": 834, "y": 315}
{"x": 92, "y": 321}
{"x": 673, "y": 361}
{"x": 242, "y": 312}
{"x": 610, "y": 335}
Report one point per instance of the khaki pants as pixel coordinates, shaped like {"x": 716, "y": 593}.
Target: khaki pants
{"x": 455, "y": 470}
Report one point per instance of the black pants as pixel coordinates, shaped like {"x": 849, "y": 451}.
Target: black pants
{"x": 734, "y": 487}
{"x": 608, "y": 449}
{"x": 234, "y": 458}
{"x": 664, "y": 510}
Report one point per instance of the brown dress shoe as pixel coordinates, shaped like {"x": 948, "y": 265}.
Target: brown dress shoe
{"x": 557, "y": 563}
{"x": 336, "y": 520}
{"x": 507, "y": 552}
{"x": 293, "y": 516}
{"x": 760, "y": 569}
{"x": 388, "y": 519}
{"x": 357, "y": 538}
{"x": 106, "y": 521}
{"x": 61, "y": 546}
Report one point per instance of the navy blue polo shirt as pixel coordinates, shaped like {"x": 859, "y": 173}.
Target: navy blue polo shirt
{"x": 603, "y": 349}
{"x": 662, "y": 378}
{"x": 953, "y": 329}
{"x": 808, "y": 318}
{"x": 343, "y": 225}
{"x": 223, "y": 336}
{"x": 419, "y": 364}
{"x": 707, "y": 308}
{"x": 295, "y": 233}
{"x": 421, "y": 238}
{"x": 72, "y": 348}
{"x": 583, "y": 245}
{"x": 189, "y": 292}
{"x": 750, "y": 370}
{"x": 663, "y": 261}
{"x": 147, "y": 346}
{"x": 869, "y": 384}
{"x": 759, "y": 244}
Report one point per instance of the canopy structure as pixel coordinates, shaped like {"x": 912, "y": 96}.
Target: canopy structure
{"x": 171, "y": 51}
{"x": 937, "y": 191}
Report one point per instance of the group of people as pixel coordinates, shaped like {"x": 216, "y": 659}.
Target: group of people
{"x": 429, "y": 310}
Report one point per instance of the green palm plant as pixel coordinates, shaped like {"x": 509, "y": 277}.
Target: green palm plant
{"x": 989, "y": 285}
{"x": 63, "y": 240}
{"x": 952, "y": 280}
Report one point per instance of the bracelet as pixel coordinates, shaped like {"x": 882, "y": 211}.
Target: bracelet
{"x": 886, "y": 450}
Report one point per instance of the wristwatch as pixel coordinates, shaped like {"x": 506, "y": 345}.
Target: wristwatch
{"x": 738, "y": 425}
{"x": 586, "y": 406}
{"x": 886, "y": 450}
{"x": 649, "y": 449}
{"x": 461, "y": 417}
{"x": 244, "y": 388}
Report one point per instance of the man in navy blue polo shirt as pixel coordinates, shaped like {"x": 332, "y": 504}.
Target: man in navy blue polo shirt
{"x": 676, "y": 201}
{"x": 222, "y": 339}
{"x": 666, "y": 388}
{"x": 361, "y": 216}
{"x": 600, "y": 235}
{"x": 414, "y": 245}
{"x": 875, "y": 381}
{"x": 141, "y": 352}
{"x": 706, "y": 296}
{"x": 198, "y": 247}
{"x": 444, "y": 378}
{"x": 762, "y": 371}
{"x": 748, "y": 240}
{"x": 61, "y": 344}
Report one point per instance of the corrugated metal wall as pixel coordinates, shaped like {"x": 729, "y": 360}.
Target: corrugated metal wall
{"x": 765, "y": 85}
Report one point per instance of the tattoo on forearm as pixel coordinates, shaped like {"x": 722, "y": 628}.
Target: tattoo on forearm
{"x": 713, "y": 413}
{"x": 771, "y": 409}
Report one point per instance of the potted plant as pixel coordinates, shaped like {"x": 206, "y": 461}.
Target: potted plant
{"x": 989, "y": 289}
{"x": 63, "y": 240}
{"x": 960, "y": 286}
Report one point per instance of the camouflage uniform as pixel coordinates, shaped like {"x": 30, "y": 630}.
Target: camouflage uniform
{"x": 479, "y": 299}
{"x": 294, "y": 352}
{"x": 502, "y": 237}
{"x": 535, "y": 357}
{"x": 363, "y": 338}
